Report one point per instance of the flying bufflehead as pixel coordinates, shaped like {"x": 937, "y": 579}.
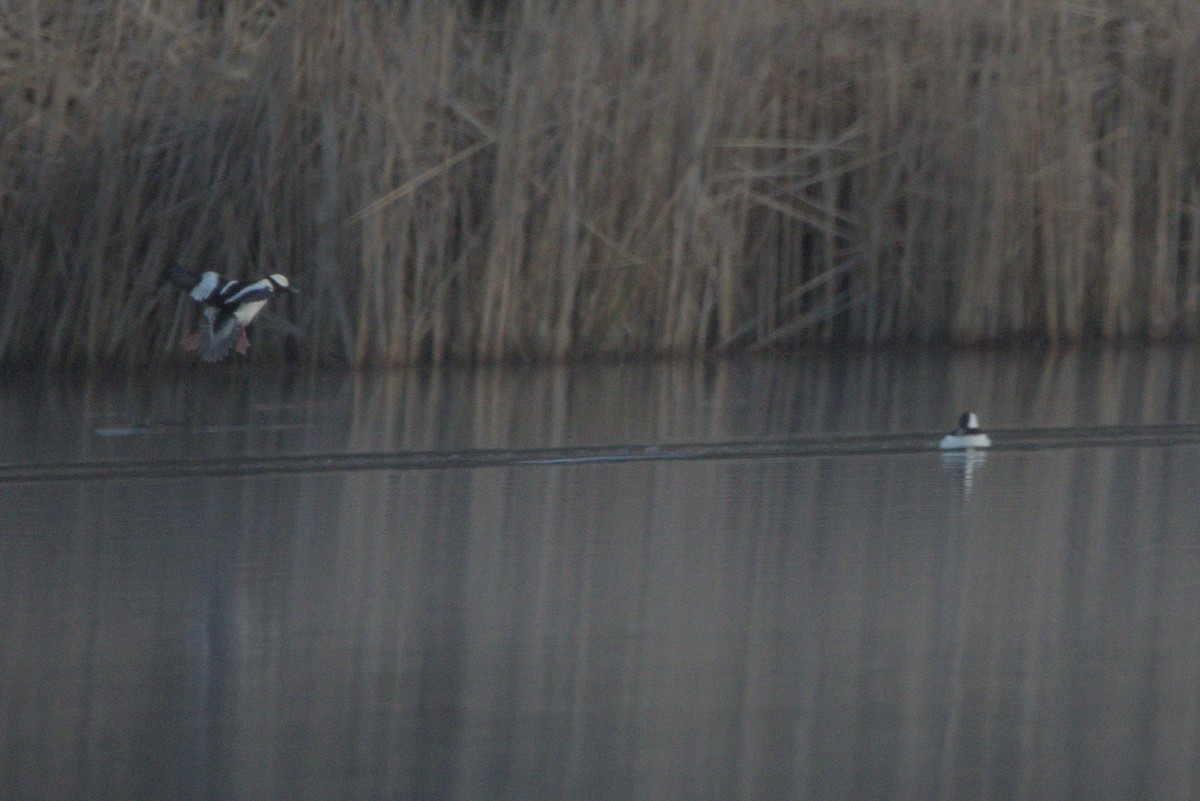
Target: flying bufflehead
{"x": 229, "y": 306}
{"x": 967, "y": 435}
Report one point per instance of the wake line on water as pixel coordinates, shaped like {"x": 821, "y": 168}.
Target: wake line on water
{"x": 831, "y": 445}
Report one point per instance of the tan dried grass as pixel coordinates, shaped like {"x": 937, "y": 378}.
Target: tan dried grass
{"x": 559, "y": 179}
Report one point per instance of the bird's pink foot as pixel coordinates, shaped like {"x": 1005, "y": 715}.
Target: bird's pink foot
{"x": 192, "y": 342}
{"x": 243, "y": 343}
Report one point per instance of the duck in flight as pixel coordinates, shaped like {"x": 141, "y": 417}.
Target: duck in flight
{"x": 229, "y": 306}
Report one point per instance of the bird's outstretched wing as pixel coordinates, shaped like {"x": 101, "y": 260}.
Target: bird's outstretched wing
{"x": 218, "y": 336}
{"x": 181, "y": 276}
{"x": 245, "y": 293}
{"x": 205, "y": 287}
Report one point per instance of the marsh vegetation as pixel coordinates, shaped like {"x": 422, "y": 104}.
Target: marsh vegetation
{"x": 543, "y": 179}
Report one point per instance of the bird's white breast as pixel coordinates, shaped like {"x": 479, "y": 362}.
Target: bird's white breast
{"x": 962, "y": 441}
{"x": 246, "y": 312}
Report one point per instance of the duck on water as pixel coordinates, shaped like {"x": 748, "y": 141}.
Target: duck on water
{"x": 966, "y": 435}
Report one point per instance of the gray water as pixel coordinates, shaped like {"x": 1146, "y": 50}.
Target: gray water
{"x": 734, "y": 580}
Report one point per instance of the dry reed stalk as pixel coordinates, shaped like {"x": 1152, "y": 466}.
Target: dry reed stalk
{"x": 560, "y": 179}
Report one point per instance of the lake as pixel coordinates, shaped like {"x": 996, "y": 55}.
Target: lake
{"x": 750, "y": 579}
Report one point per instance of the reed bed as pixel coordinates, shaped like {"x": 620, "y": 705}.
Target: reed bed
{"x": 539, "y": 179}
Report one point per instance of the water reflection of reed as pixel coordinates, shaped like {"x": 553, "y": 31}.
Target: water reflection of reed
{"x": 816, "y": 628}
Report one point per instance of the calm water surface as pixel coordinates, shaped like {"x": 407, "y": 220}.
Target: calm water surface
{"x": 736, "y": 580}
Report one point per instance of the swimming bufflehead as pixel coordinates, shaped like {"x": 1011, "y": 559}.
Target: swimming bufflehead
{"x": 967, "y": 435}
{"x": 229, "y": 306}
